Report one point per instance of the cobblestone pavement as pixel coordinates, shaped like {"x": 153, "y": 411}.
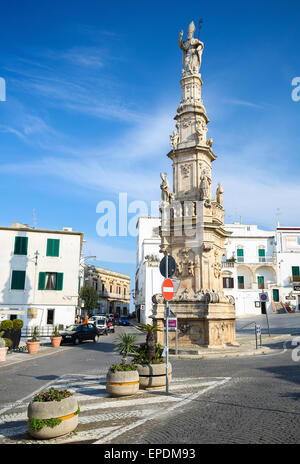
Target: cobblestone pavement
{"x": 229, "y": 400}
{"x": 102, "y": 418}
{"x": 260, "y": 404}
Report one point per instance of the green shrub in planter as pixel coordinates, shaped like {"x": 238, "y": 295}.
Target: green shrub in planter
{"x": 17, "y": 324}
{"x": 12, "y": 330}
{"x": 52, "y": 413}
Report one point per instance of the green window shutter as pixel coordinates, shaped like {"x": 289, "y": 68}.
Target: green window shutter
{"x": 42, "y": 280}
{"x": 52, "y": 247}
{"x": 240, "y": 279}
{"x": 56, "y": 247}
{"x": 59, "y": 281}
{"x": 275, "y": 295}
{"x": 240, "y": 252}
{"x": 262, "y": 252}
{"x": 260, "y": 279}
{"x": 295, "y": 271}
{"x": 18, "y": 280}
{"x": 21, "y": 245}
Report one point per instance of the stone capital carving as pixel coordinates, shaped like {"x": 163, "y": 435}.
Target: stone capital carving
{"x": 185, "y": 170}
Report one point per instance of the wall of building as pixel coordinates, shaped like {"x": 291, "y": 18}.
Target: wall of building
{"x": 113, "y": 290}
{"x": 148, "y": 277}
{"x": 282, "y": 251}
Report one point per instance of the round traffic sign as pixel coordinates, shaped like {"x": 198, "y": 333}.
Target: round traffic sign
{"x": 263, "y": 297}
{"x": 171, "y": 266}
{"x": 168, "y": 289}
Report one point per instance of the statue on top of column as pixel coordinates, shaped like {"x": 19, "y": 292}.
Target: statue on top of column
{"x": 192, "y": 51}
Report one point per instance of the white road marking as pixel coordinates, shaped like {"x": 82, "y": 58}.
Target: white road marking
{"x": 144, "y": 406}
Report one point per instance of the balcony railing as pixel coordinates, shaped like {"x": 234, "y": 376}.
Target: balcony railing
{"x": 258, "y": 260}
{"x": 118, "y": 296}
{"x": 295, "y": 278}
{"x": 228, "y": 264}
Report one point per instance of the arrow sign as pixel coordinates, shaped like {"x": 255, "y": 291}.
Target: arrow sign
{"x": 168, "y": 289}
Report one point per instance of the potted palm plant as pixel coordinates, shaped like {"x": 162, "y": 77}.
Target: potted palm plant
{"x": 56, "y": 338}
{"x": 33, "y": 343}
{"x": 52, "y": 413}
{"x": 123, "y": 379}
{"x": 151, "y": 365}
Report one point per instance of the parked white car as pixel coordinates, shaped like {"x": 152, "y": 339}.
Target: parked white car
{"x": 102, "y": 324}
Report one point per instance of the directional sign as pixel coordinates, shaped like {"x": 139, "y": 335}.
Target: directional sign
{"x": 168, "y": 289}
{"x": 172, "y": 323}
{"x": 171, "y": 266}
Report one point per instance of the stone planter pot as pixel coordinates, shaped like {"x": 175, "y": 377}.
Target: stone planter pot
{"x": 122, "y": 383}
{"x": 55, "y": 341}
{"x": 3, "y": 352}
{"x": 33, "y": 347}
{"x": 64, "y": 410}
{"x": 153, "y": 375}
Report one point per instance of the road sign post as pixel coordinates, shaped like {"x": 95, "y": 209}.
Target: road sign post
{"x": 167, "y": 332}
{"x": 264, "y": 297}
{"x": 167, "y": 268}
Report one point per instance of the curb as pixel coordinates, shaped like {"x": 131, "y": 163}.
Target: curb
{"x": 224, "y": 355}
{"x": 28, "y": 357}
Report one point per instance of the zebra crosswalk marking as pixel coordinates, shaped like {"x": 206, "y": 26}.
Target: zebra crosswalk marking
{"x": 99, "y": 412}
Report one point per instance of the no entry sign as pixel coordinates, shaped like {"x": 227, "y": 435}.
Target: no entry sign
{"x": 168, "y": 289}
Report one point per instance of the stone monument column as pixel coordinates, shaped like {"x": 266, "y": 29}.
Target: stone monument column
{"x": 192, "y": 227}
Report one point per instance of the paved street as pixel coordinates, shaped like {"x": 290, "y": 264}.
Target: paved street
{"x": 231, "y": 400}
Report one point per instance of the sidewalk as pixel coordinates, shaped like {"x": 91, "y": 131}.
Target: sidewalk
{"x": 45, "y": 349}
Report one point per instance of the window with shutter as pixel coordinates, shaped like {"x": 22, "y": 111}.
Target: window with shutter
{"x": 261, "y": 282}
{"x": 42, "y": 280}
{"x": 53, "y": 247}
{"x": 295, "y": 271}
{"x": 21, "y": 245}
{"x": 262, "y": 255}
{"x": 18, "y": 280}
{"x": 228, "y": 282}
{"x": 241, "y": 283}
{"x": 59, "y": 281}
{"x": 50, "y": 281}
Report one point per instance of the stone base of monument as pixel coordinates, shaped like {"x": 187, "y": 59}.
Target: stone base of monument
{"x": 200, "y": 325}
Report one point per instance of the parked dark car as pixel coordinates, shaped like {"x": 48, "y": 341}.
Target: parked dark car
{"x": 124, "y": 321}
{"x": 78, "y": 333}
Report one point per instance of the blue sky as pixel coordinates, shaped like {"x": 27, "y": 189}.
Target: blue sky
{"x": 92, "y": 89}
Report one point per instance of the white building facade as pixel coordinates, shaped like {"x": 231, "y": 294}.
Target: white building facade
{"x": 288, "y": 266}
{"x": 39, "y": 275}
{"x": 250, "y": 268}
{"x": 148, "y": 280}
